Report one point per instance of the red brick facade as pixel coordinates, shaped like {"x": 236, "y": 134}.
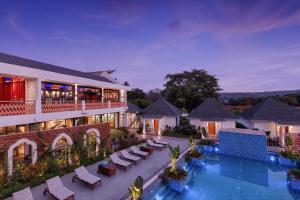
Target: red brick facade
{"x": 296, "y": 141}
{"x": 50, "y": 135}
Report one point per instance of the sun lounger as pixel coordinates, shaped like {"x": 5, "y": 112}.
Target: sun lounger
{"x": 129, "y": 157}
{"x": 58, "y": 190}
{"x": 24, "y": 194}
{"x": 122, "y": 163}
{"x": 83, "y": 175}
{"x": 157, "y": 146}
{"x": 136, "y": 151}
{"x": 160, "y": 141}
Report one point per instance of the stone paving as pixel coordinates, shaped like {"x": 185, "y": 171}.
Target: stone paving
{"x": 116, "y": 187}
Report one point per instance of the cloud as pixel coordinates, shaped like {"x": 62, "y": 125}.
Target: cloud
{"x": 71, "y": 38}
{"x": 119, "y": 13}
{"x": 13, "y": 21}
{"x": 227, "y": 17}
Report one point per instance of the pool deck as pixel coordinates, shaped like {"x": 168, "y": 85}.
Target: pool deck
{"x": 116, "y": 187}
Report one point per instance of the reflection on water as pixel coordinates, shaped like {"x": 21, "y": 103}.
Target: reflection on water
{"x": 230, "y": 178}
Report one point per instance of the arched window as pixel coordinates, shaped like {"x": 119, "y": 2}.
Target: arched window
{"x": 23, "y": 151}
{"x": 92, "y": 142}
{"x": 61, "y": 148}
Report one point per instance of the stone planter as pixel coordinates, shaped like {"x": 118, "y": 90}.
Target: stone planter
{"x": 177, "y": 185}
{"x": 287, "y": 162}
{"x": 208, "y": 148}
{"x": 197, "y": 161}
{"x": 294, "y": 183}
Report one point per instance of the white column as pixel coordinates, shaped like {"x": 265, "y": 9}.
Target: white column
{"x": 159, "y": 127}
{"x": 117, "y": 120}
{"x": 76, "y": 93}
{"x": 144, "y": 126}
{"x": 38, "y": 97}
{"x": 102, "y": 95}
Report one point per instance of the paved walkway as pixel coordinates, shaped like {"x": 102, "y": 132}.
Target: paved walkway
{"x": 116, "y": 187}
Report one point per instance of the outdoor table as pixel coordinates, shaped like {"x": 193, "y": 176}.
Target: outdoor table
{"x": 147, "y": 149}
{"x": 108, "y": 169}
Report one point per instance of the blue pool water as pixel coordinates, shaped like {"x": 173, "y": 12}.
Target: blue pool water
{"x": 229, "y": 178}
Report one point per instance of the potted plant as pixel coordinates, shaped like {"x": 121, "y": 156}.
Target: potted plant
{"x": 175, "y": 176}
{"x": 294, "y": 179}
{"x": 207, "y": 145}
{"x": 136, "y": 189}
{"x": 288, "y": 157}
{"x": 193, "y": 156}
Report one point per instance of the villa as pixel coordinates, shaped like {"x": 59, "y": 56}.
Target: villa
{"x": 274, "y": 116}
{"x": 159, "y": 115}
{"x": 132, "y": 116}
{"x": 38, "y": 98}
{"x": 213, "y": 116}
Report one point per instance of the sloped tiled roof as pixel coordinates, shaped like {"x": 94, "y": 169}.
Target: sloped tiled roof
{"x": 161, "y": 108}
{"x": 133, "y": 108}
{"x": 212, "y": 110}
{"x": 273, "y": 110}
{"x": 24, "y": 62}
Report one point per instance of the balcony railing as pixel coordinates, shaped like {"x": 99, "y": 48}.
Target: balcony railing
{"x": 17, "y": 108}
{"x": 8, "y": 108}
{"x": 96, "y": 105}
{"x": 48, "y": 107}
{"x": 117, "y": 104}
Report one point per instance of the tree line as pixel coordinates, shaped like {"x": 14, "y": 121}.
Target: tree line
{"x": 188, "y": 89}
{"x": 185, "y": 90}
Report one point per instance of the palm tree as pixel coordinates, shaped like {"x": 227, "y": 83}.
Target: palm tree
{"x": 174, "y": 155}
{"x": 136, "y": 189}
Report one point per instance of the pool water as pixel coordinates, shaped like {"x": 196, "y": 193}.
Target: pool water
{"x": 229, "y": 178}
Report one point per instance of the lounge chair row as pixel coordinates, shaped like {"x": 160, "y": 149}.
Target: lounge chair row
{"x": 136, "y": 157}
{"x": 56, "y": 188}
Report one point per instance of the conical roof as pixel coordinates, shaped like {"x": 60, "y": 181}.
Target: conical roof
{"x": 273, "y": 110}
{"x": 161, "y": 108}
{"x": 212, "y": 110}
{"x": 133, "y": 108}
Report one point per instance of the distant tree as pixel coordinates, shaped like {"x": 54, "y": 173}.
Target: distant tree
{"x": 154, "y": 94}
{"x": 188, "y": 89}
{"x": 138, "y": 97}
{"x": 126, "y": 83}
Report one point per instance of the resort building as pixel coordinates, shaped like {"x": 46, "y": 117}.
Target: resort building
{"x": 213, "y": 116}
{"x": 43, "y": 101}
{"x": 160, "y": 115}
{"x": 131, "y": 117}
{"x": 272, "y": 115}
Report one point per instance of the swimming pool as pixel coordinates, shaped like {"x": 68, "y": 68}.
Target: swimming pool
{"x": 229, "y": 178}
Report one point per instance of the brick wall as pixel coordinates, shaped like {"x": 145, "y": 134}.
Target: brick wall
{"x": 296, "y": 141}
{"x": 50, "y": 135}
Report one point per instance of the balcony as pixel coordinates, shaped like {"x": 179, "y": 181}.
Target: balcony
{"x": 50, "y": 107}
{"x": 8, "y": 108}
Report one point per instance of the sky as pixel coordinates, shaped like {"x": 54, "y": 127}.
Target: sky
{"x": 248, "y": 45}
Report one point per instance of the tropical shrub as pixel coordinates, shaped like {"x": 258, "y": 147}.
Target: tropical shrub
{"x": 294, "y": 173}
{"x": 136, "y": 190}
{"x": 290, "y": 155}
{"x": 192, "y": 153}
{"x": 288, "y": 142}
{"x": 174, "y": 172}
{"x": 207, "y": 142}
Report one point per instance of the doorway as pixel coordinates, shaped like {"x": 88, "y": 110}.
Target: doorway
{"x": 156, "y": 125}
{"x": 283, "y": 131}
{"x": 211, "y": 128}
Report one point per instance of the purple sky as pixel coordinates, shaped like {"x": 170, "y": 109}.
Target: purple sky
{"x": 249, "y": 46}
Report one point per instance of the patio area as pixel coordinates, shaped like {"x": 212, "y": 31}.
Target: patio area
{"x": 116, "y": 187}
